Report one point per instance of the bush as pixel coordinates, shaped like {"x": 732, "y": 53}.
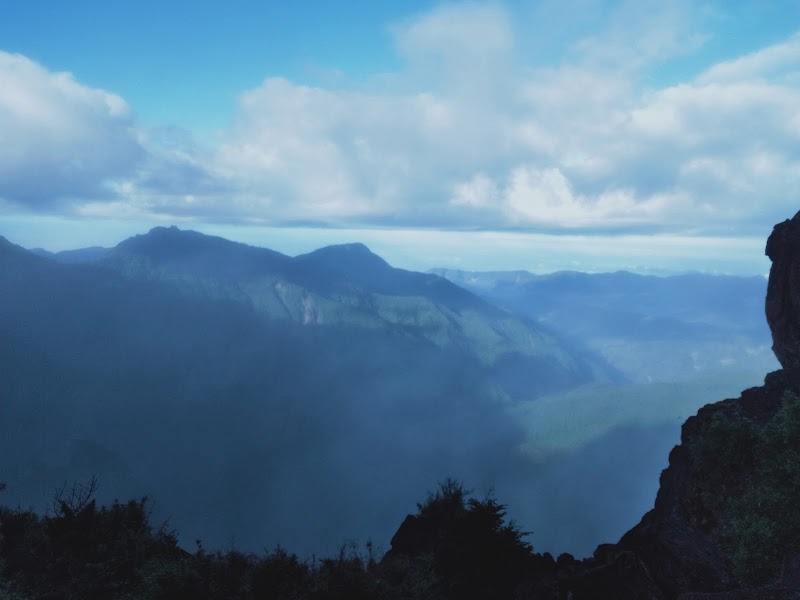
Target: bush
{"x": 471, "y": 550}
{"x": 82, "y": 551}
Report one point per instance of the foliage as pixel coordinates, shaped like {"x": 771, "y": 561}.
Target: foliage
{"x": 725, "y": 453}
{"x": 91, "y": 553}
{"x": 78, "y": 550}
{"x": 754, "y": 473}
{"x": 469, "y": 549}
{"x": 567, "y": 421}
{"x": 114, "y": 552}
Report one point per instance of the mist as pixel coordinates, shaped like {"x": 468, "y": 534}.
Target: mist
{"x": 260, "y": 400}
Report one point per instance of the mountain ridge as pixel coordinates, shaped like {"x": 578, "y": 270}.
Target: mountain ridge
{"x": 338, "y": 284}
{"x": 262, "y": 379}
{"x": 652, "y": 328}
{"x": 723, "y": 524}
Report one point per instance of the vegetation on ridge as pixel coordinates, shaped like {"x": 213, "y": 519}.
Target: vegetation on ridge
{"x": 79, "y": 550}
{"x": 751, "y": 472}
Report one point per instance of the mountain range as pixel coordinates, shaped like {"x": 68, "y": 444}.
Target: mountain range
{"x": 675, "y": 328}
{"x": 239, "y": 387}
{"x": 723, "y": 524}
{"x": 244, "y": 386}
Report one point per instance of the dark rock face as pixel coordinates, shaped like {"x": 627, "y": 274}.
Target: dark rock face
{"x": 679, "y": 539}
{"x": 682, "y": 549}
{"x": 783, "y": 292}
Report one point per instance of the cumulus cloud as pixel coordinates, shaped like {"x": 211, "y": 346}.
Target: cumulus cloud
{"x": 59, "y": 139}
{"x": 69, "y": 148}
{"x": 776, "y": 60}
{"x": 478, "y": 192}
{"x": 641, "y": 33}
{"x": 574, "y": 145}
{"x": 471, "y": 132}
{"x": 727, "y": 141}
{"x": 323, "y": 154}
{"x": 466, "y": 49}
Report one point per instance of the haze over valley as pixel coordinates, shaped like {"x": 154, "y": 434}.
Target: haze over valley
{"x": 262, "y": 399}
{"x": 399, "y": 300}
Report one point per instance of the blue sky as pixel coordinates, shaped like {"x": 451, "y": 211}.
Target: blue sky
{"x": 588, "y": 134}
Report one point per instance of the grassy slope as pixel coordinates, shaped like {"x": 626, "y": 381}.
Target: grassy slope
{"x": 564, "y": 422}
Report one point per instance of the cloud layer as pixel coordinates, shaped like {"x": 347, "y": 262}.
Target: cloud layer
{"x": 59, "y": 140}
{"x": 470, "y": 133}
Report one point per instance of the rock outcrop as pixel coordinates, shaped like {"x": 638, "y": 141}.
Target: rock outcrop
{"x": 682, "y": 539}
{"x": 691, "y": 542}
{"x": 783, "y": 293}
{"x": 724, "y": 523}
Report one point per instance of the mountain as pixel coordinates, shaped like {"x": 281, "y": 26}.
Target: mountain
{"x": 356, "y": 263}
{"x": 674, "y": 328}
{"x": 683, "y": 342}
{"x": 724, "y": 518}
{"x": 348, "y": 285}
{"x": 724, "y": 524}
{"x": 260, "y": 396}
{"x": 80, "y": 255}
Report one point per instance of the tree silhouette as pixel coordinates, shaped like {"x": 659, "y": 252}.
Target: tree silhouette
{"x": 72, "y": 500}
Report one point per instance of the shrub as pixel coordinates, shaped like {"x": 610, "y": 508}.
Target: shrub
{"x": 473, "y": 551}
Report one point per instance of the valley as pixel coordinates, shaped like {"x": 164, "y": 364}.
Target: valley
{"x": 239, "y": 387}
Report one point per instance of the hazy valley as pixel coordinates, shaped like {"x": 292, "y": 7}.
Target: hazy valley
{"x": 262, "y": 399}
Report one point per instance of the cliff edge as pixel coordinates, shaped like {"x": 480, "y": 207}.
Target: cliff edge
{"x": 725, "y": 522}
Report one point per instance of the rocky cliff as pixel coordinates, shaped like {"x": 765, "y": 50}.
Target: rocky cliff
{"x": 725, "y": 522}
{"x": 724, "y": 519}
{"x": 783, "y": 292}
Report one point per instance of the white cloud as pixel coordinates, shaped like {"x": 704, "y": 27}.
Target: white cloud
{"x": 469, "y": 133}
{"x": 478, "y": 192}
{"x": 320, "y": 154}
{"x": 459, "y": 48}
{"x": 546, "y": 198}
{"x": 568, "y": 146}
{"x": 641, "y": 33}
{"x": 774, "y": 60}
{"x": 59, "y": 139}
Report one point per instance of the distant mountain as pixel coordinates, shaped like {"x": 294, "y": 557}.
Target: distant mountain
{"x": 367, "y": 270}
{"x": 724, "y": 523}
{"x": 258, "y": 395}
{"x": 650, "y": 328}
{"x": 80, "y": 255}
{"x": 349, "y": 286}
{"x": 682, "y": 341}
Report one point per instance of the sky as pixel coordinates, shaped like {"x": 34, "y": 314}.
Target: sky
{"x": 596, "y": 135}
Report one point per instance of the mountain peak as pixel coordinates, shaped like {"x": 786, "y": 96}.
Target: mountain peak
{"x": 162, "y": 235}
{"x": 347, "y": 259}
{"x": 195, "y": 253}
{"x": 351, "y": 250}
{"x": 170, "y": 242}
{"x": 9, "y": 248}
